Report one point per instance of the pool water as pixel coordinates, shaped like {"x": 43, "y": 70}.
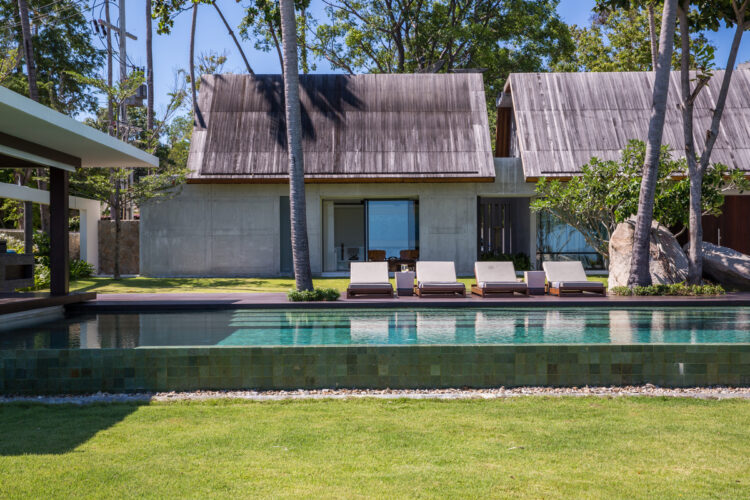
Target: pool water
{"x": 244, "y": 327}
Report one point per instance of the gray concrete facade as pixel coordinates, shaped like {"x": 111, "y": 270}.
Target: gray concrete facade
{"x": 227, "y": 230}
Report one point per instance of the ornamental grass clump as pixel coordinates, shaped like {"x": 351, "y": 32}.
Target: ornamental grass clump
{"x": 317, "y": 295}
{"x": 677, "y": 289}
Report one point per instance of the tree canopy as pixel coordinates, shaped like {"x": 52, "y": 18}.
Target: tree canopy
{"x": 618, "y": 40}
{"x": 62, "y": 42}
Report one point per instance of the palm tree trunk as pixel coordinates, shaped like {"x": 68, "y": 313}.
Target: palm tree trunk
{"x": 695, "y": 170}
{"x": 149, "y": 75}
{"x": 28, "y": 49}
{"x": 639, "y": 264}
{"x": 110, "y": 107}
{"x": 197, "y": 117}
{"x": 652, "y": 36}
{"x": 300, "y": 245}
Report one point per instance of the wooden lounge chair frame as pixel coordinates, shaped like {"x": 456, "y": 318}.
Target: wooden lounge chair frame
{"x": 368, "y": 290}
{"x": 500, "y": 291}
{"x": 442, "y": 291}
{"x": 575, "y": 289}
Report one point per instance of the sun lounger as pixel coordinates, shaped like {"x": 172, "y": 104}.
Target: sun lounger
{"x": 369, "y": 279}
{"x": 496, "y": 278}
{"x": 569, "y": 277}
{"x": 438, "y": 278}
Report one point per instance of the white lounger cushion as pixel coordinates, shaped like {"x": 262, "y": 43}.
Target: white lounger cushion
{"x": 436, "y": 272}
{"x": 563, "y": 272}
{"x": 369, "y": 272}
{"x": 494, "y": 272}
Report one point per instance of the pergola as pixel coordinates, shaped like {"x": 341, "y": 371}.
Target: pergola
{"x": 35, "y": 136}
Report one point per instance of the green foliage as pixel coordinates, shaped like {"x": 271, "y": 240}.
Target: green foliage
{"x": 8, "y": 63}
{"x": 62, "y": 42}
{"x": 79, "y": 269}
{"x": 678, "y": 289}
{"x": 618, "y": 40}
{"x": 606, "y": 193}
{"x": 12, "y": 242}
{"x": 317, "y": 295}
{"x": 520, "y": 260}
{"x": 41, "y": 248}
{"x": 262, "y": 23}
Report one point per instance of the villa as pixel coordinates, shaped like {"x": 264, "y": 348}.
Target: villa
{"x": 403, "y": 165}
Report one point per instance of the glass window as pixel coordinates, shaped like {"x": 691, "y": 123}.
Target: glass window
{"x": 557, "y": 240}
{"x": 392, "y": 225}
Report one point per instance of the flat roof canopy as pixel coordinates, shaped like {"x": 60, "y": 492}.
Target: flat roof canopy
{"x": 32, "y": 133}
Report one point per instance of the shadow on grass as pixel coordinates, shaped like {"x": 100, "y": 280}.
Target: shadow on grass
{"x": 35, "y": 429}
{"x": 185, "y": 284}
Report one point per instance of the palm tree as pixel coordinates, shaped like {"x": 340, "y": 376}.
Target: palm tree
{"x": 28, "y": 49}
{"x": 735, "y": 13}
{"x": 28, "y": 55}
{"x": 193, "y": 89}
{"x": 298, "y": 215}
{"x": 652, "y": 35}
{"x": 639, "y": 264}
{"x": 149, "y": 72}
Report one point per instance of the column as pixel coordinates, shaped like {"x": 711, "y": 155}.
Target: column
{"x": 58, "y": 248}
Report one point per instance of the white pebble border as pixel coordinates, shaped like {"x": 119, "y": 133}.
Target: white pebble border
{"x": 649, "y": 390}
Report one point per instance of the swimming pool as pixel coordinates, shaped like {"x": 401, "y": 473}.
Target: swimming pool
{"x": 420, "y": 326}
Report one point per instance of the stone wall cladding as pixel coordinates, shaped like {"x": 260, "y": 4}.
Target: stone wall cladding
{"x": 129, "y": 247}
{"x": 377, "y": 367}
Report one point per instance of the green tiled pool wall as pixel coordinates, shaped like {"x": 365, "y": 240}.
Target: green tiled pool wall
{"x": 185, "y": 368}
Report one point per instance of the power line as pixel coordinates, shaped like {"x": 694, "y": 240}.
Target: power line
{"x": 74, "y": 5}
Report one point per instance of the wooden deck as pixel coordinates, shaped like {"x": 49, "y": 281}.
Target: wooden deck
{"x": 189, "y": 301}
{"x": 28, "y": 301}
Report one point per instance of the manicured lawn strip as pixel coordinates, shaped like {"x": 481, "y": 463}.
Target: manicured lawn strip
{"x": 525, "y": 447}
{"x": 216, "y": 285}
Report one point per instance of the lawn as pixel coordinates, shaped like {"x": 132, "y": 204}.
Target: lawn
{"x": 524, "y": 447}
{"x": 214, "y": 285}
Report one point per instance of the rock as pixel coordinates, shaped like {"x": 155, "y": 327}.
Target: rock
{"x": 725, "y": 266}
{"x": 668, "y": 263}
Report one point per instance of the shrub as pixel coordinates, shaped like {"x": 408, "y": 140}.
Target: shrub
{"x": 678, "y": 289}
{"x": 78, "y": 269}
{"x": 317, "y": 295}
{"x": 520, "y": 260}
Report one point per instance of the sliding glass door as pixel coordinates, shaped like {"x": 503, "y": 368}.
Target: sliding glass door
{"x": 392, "y": 226}
{"x": 368, "y": 230}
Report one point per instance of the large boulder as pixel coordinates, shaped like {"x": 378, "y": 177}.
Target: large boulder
{"x": 668, "y": 263}
{"x": 725, "y": 266}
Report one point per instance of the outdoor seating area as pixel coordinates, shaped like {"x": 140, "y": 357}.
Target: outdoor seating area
{"x": 493, "y": 279}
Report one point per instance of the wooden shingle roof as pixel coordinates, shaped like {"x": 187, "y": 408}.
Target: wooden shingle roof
{"x": 355, "y": 128}
{"x": 564, "y": 119}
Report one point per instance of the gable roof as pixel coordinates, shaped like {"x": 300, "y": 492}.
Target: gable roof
{"x": 564, "y": 119}
{"x": 373, "y": 127}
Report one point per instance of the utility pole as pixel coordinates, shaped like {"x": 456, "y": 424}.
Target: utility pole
{"x": 123, "y": 58}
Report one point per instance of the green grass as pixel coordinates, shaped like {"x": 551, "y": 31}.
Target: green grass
{"x": 523, "y": 447}
{"x": 216, "y": 285}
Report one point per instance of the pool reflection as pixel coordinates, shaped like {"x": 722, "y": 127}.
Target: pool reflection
{"x": 382, "y": 326}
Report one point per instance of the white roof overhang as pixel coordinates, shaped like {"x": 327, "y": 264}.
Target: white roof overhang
{"x": 32, "y": 123}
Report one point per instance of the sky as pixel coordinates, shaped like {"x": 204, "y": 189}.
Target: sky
{"x": 171, "y": 51}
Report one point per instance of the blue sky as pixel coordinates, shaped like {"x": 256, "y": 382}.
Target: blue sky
{"x": 171, "y": 51}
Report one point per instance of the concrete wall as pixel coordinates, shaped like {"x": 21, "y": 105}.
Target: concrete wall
{"x": 233, "y": 229}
